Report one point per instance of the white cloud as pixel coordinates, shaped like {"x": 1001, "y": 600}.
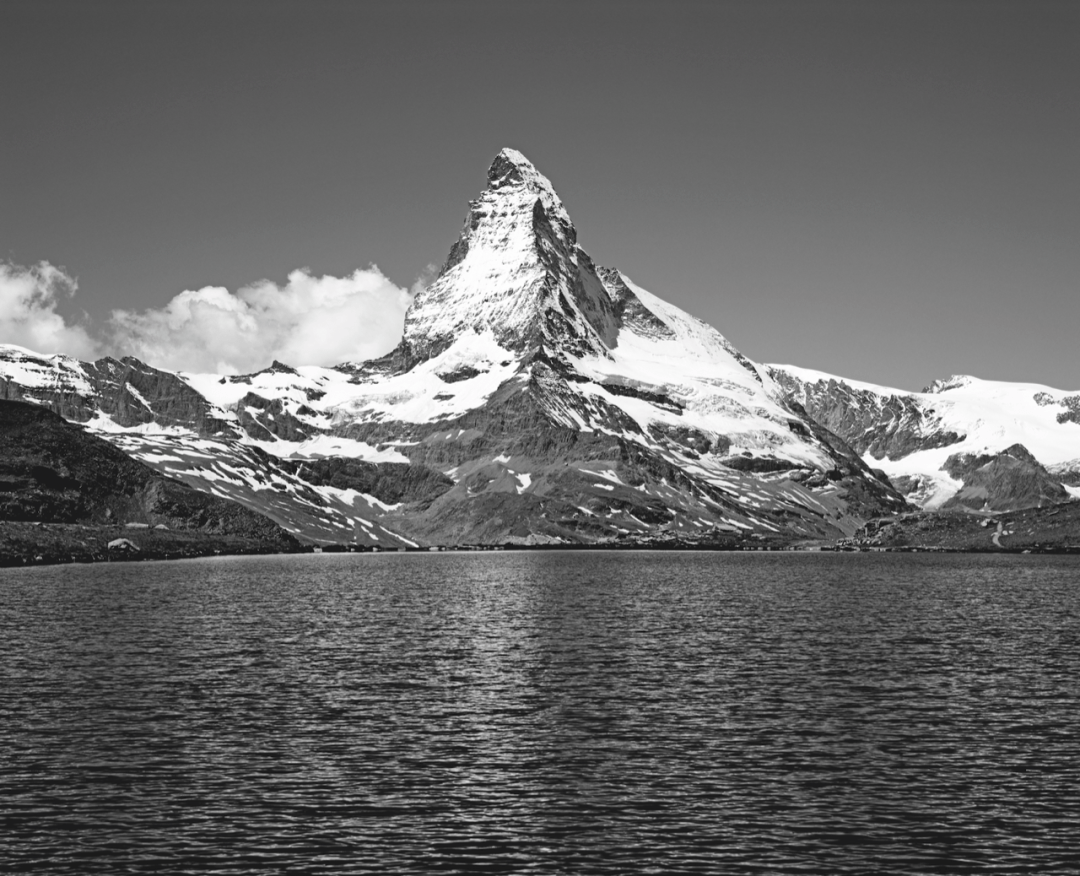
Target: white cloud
{"x": 308, "y": 321}
{"x": 28, "y": 317}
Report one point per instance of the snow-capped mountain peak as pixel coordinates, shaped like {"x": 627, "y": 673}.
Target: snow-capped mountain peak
{"x": 510, "y": 169}
{"x": 516, "y": 271}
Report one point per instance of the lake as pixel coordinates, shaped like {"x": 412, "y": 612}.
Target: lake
{"x": 542, "y": 712}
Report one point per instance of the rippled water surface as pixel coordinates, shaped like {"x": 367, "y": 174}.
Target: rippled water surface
{"x": 542, "y": 713}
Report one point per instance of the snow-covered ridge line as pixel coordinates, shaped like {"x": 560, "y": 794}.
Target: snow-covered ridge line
{"x": 958, "y": 385}
{"x": 916, "y": 437}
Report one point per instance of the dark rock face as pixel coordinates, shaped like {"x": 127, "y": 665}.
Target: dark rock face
{"x": 131, "y": 392}
{"x": 1071, "y": 405}
{"x": 54, "y": 472}
{"x": 628, "y": 307}
{"x": 886, "y": 428}
{"x": 689, "y": 439}
{"x": 866, "y": 490}
{"x": 657, "y": 398}
{"x": 1005, "y": 481}
{"x": 265, "y": 419}
{"x": 1071, "y": 414}
{"x": 389, "y": 482}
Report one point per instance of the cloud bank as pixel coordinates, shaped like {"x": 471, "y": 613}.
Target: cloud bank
{"x": 28, "y": 317}
{"x": 309, "y": 320}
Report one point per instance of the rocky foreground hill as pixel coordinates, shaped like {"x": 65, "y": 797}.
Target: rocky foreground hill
{"x": 539, "y": 398}
{"x": 67, "y": 494}
{"x": 1046, "y": 529}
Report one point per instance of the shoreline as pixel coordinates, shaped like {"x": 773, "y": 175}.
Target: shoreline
{"x": 26, "y": 544}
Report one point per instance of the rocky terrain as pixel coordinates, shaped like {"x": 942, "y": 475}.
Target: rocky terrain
{"x": 1052, "y": 528}
{"x": 32, "y": 544}
{"x": 124, "y": 394}
{"x": 1005, "y": 481}
{"x": 65, "y": 490}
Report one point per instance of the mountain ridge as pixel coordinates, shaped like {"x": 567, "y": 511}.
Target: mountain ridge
{"x": 535, "y": 395}
{"x": 924, "y": 440}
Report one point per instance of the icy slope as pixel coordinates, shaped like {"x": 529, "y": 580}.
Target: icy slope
{"x": 913, "y": 435}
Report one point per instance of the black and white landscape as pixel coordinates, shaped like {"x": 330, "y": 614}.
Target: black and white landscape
{"x": 539, "y": 398}
{"x": 539, "y": 437}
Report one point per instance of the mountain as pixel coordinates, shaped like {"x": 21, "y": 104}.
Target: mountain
{"x": 966, "y": 443}
{"x": 55, "y": 472}
{"x": 535, "y": 397}
{"x": 157, "y": 417}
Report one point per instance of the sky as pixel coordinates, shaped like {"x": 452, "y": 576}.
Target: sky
{"x": 889, "y": 191}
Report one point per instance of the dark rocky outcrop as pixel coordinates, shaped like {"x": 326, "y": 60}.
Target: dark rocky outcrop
{"x": 1070, "y": 403}
{"x": 266, "y": 419}
{"x": 389, "y": 482}
{"x": 1004, "y": 481}
{"x": 886, "y": 427}
{"x": 52, "y": 471}
{"x": 128, "y": 391}
{"x": 866, "y": 489}
{"x": 689, "y": 439}
{"x": 1071, "y": 414}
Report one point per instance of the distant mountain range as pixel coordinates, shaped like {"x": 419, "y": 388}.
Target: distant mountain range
{"x": 964, "y": 443}
{"x": 537, "y": 397}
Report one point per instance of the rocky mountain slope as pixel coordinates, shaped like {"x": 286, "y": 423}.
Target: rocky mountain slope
{"x": 963, "y": 442}
{"x": 55, "y": 472}
{"x": 534, "y": 397}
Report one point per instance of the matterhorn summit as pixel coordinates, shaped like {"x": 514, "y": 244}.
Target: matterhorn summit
{"x": 516, "y": 272}
{"x": 535, "y": 397}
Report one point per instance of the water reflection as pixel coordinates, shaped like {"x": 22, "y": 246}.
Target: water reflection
{"x": 541, "y": 712}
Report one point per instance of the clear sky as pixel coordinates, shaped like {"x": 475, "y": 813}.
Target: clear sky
{"x": 885, "y": 190}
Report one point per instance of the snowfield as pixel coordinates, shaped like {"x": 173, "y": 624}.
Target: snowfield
{"x": 989, "y": 415}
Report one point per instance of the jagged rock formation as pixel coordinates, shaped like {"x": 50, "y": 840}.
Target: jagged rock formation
{"x": 535, "y": 396}
{"x": 884, "y": 426}
{"x": 961, "y": 442}
{"x": 1005, "y": 481}
{"x": 390, "y": 482}
{"x": 125, "y": 393}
